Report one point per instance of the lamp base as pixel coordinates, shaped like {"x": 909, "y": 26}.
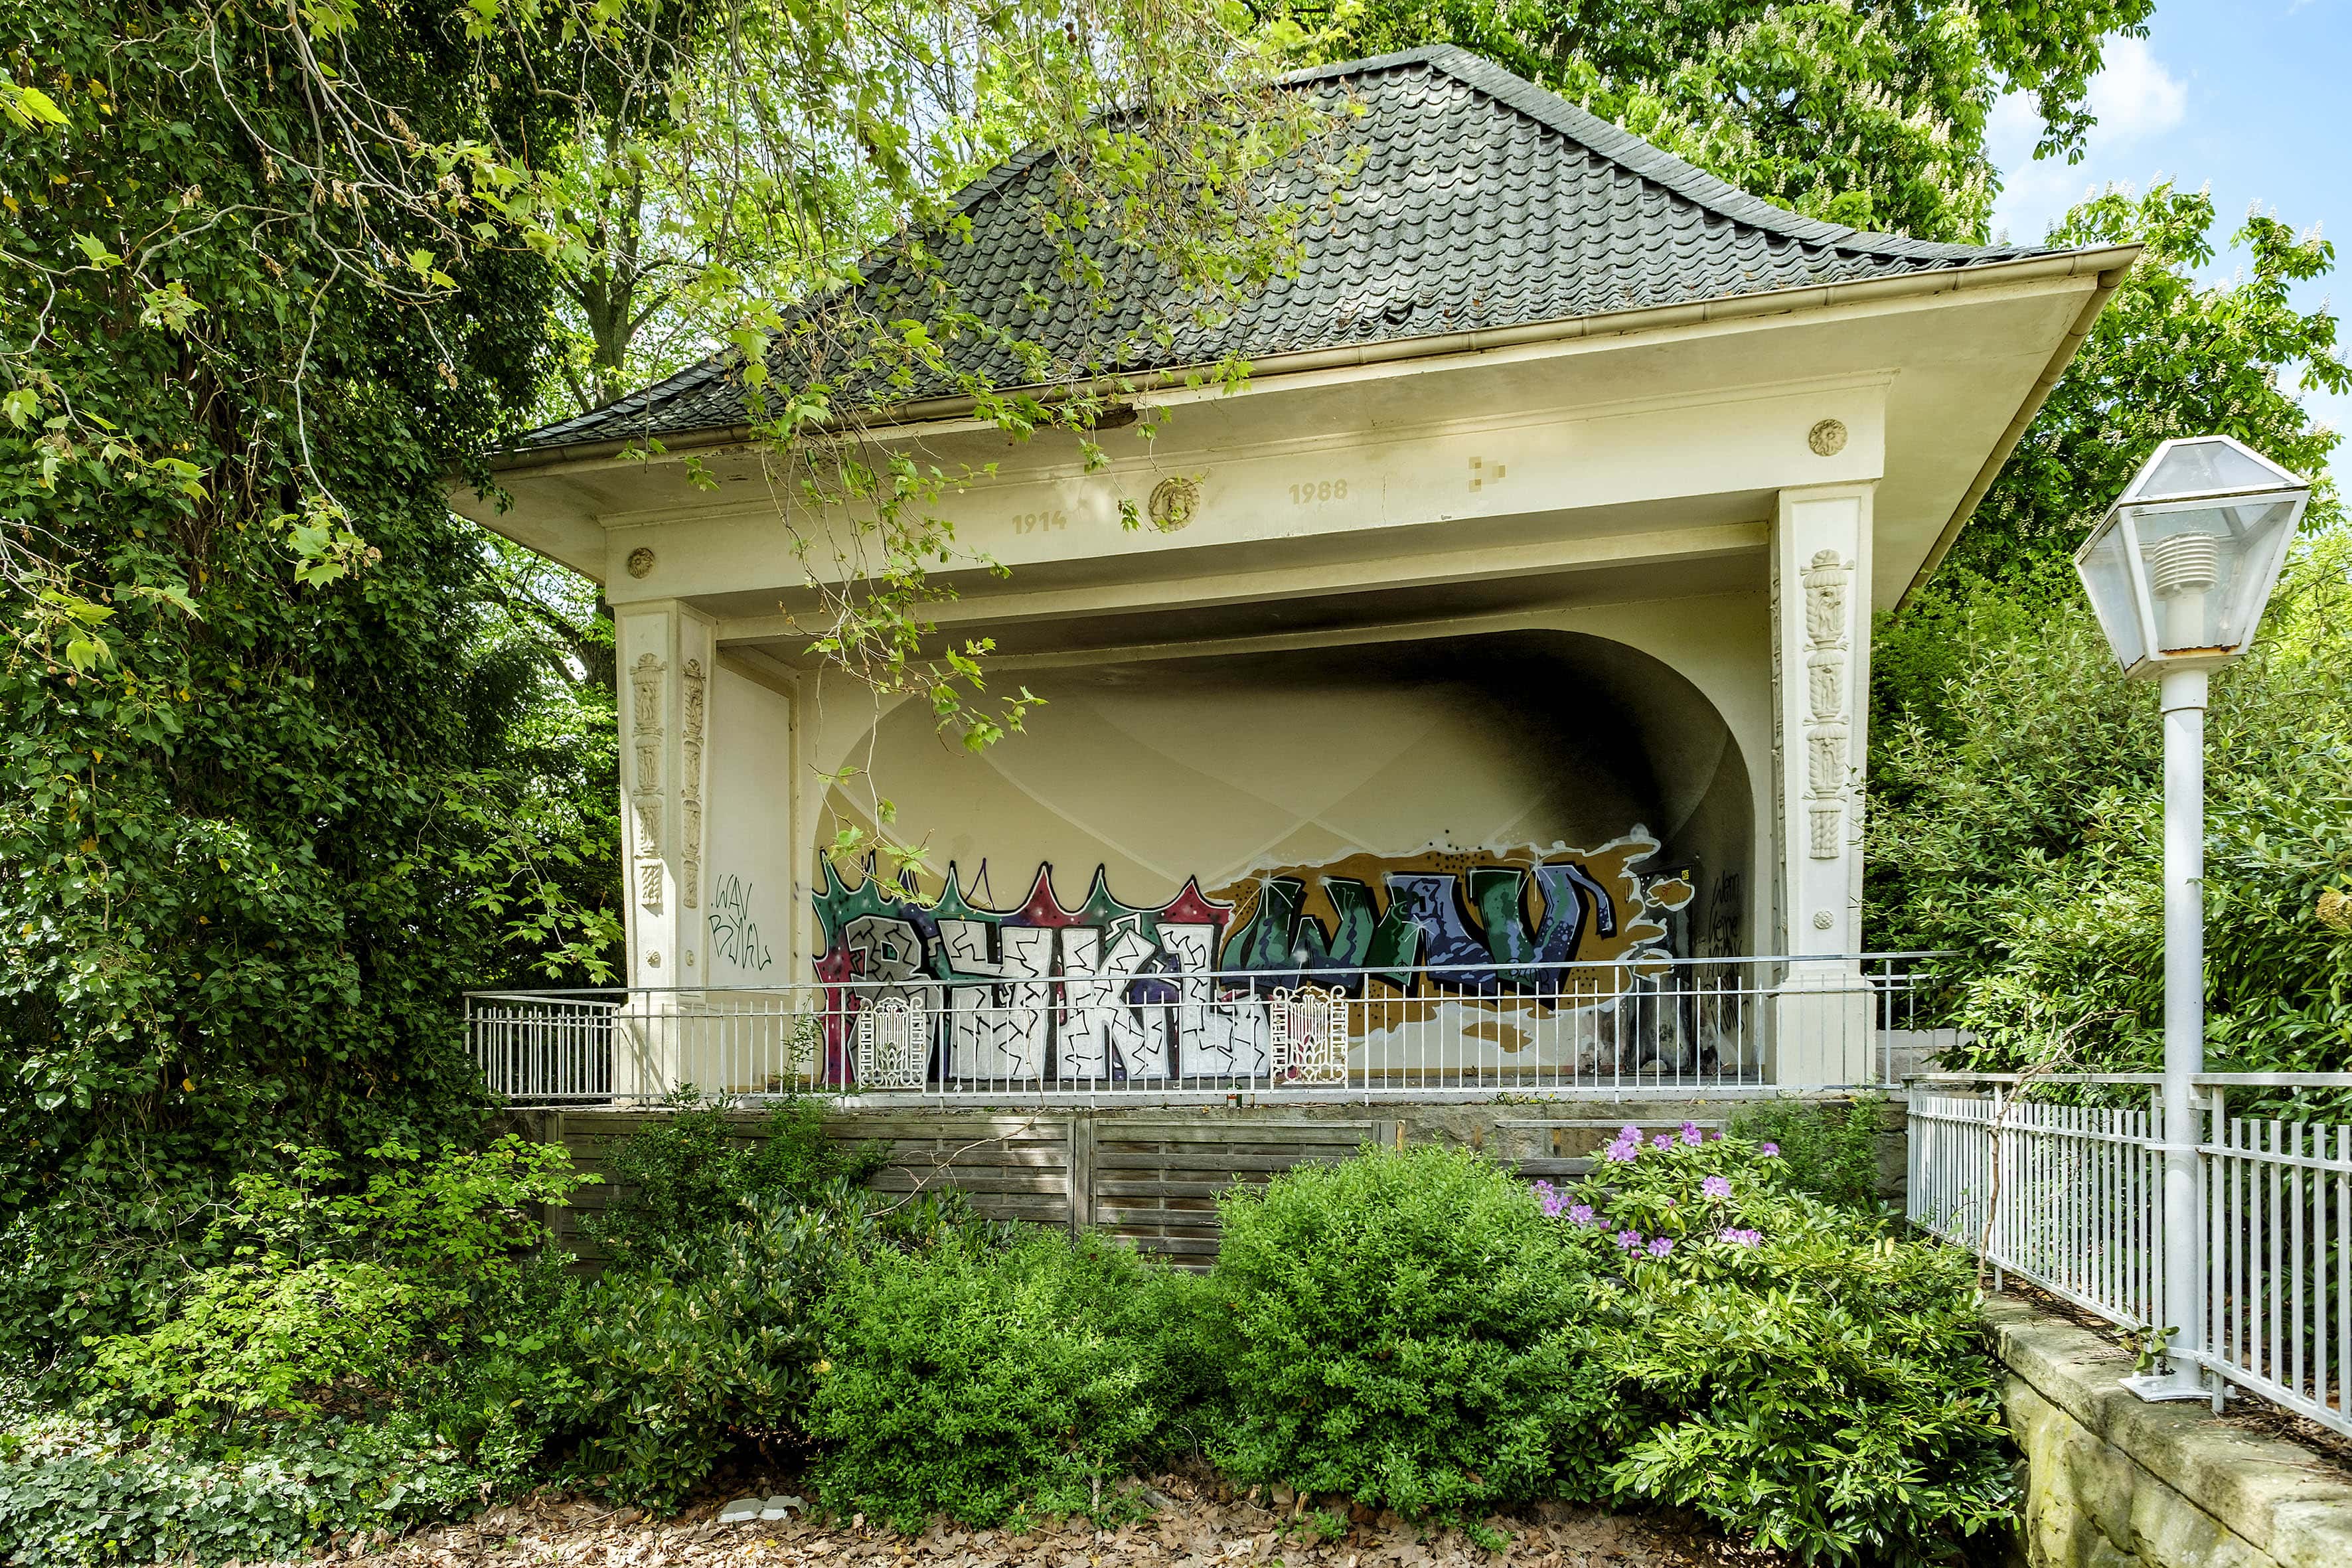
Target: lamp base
{"x": 2158, "y": 1386}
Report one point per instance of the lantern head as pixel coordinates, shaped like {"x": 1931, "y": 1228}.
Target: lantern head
{"x": 2181, "y": 565}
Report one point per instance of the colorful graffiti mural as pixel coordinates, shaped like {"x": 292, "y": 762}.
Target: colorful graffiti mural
{"x": 1114, "y": 990}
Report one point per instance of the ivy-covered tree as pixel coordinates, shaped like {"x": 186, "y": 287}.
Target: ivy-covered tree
{"x": 1868, "y": 113}
{"x": 289, "y": 755}
{"x": 261, "y": 811}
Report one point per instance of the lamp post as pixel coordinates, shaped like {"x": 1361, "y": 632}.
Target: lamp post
{"x": 2178, "y": 572}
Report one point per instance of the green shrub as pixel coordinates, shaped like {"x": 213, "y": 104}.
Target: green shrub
{"x": 1780, "y": 1364}
{"x": 996, "y": 1381}
{"x": 691, "y": 1173}
{"x": 1827, "y": 1149}
{"x": 266, "y": 1335}
{"x": 703, "y": 1346}
{"x": 332, "y": 1281}
{"x": 1400, "y": 1328}
{"x": 501, "y": 1402}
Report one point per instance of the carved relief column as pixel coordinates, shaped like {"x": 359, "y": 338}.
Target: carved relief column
{"x": 1820, "y": 561}
{"x": 665, "y": 654}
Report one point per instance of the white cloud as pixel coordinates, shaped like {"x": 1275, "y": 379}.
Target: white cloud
{"x": 2135, "y": 98}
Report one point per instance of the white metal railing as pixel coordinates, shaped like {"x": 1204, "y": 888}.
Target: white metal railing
{"x": 1740, "y": 1024}
{"x": 2070, "y": 1198}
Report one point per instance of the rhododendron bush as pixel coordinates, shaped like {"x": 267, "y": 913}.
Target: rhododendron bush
{"x": 1779, "y": 1363}
{"x": 1684, "y": 1327}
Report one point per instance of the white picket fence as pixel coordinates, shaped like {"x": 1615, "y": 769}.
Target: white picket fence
{"x": 2069, "y": 1197}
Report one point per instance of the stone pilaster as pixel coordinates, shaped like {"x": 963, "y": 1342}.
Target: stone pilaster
{"x": 666, "y": 657}
{"x": 1821, "y": 573}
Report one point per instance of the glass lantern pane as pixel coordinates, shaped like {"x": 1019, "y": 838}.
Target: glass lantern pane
{"x": 2260, "y": 525}
{"x": 2200, "y": 468}
{"x": 2107, "y": 577}
{"x": 2190, "y": 556}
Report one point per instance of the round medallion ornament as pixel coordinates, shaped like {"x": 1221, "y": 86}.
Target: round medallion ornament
{"x": 1822, "y": 921}
{"x": 1173, "y": 503}
{"x": 641, "y": 562}
{"x": 1827, "y": 438}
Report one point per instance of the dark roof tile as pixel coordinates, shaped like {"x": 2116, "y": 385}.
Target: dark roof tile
{"x": 1481, "y": 200}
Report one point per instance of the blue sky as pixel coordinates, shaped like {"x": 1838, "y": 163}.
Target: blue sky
{"x": 2253, "y": 100}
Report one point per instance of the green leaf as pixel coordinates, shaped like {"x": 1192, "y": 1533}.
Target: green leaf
{"x": 29, "y": 108}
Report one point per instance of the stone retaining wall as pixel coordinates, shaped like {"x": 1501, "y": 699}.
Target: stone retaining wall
{"x": 2113, "y": 1483}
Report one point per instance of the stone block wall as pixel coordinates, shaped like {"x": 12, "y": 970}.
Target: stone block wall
{"x": 2112, "y": 1483}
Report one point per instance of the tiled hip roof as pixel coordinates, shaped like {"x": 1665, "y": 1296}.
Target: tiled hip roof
{"x": 1481, "y": 202}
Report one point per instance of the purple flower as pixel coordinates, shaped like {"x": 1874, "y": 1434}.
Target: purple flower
{"x": 1580, "y": 1214}
{"x": 1716, "y": 1187}
{"x": 1770, "y": 1151}
{"x": 1629, "y": 1134}
{"x": 1631, "y": 1240}
{"x": 1691, "y": 1133}
{"x": 1663, "y": 1140}
{"x": 1661, "y": 1245}
{"x": 1621, "y": 1152}
{"x": 1742, "y": 1237}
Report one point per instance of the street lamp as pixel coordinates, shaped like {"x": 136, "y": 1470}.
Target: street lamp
{"x": 2177, "y": 572}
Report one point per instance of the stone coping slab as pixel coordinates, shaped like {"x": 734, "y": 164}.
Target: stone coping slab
{"x": 2287, "y": 1504}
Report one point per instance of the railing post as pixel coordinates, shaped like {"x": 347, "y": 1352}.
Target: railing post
{"x": 2211, "y": 1217}
{"x": 1081, "y": 1171}
{"x": 1996, "y": 1193}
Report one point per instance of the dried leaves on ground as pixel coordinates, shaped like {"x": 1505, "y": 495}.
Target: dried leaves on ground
{"x": 1189, "y": 1528}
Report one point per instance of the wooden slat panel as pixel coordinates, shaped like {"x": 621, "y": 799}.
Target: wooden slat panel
{"x": 1042, "y": 1166}
{"x": 1126, "y": 1160}
{"x": 1169, "y": 1186}
{"x": 1179, "y": 1219}
{"x": 1055, "y": 1183}
{"x": 1156, "y": 1183}
{"x": 1548, "y": 1167}
{"x": 1022, "y": 1145}
{"x": 1349, "y": 1134}
{"x": 1026, "y": 1135}
{"x": 939, "y": 1148}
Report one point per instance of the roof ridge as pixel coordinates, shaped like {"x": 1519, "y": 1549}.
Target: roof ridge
{"x": 1421, "y": 54}
{"x": 1654, "y": 163}
{"x": 1000, "y": 174}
